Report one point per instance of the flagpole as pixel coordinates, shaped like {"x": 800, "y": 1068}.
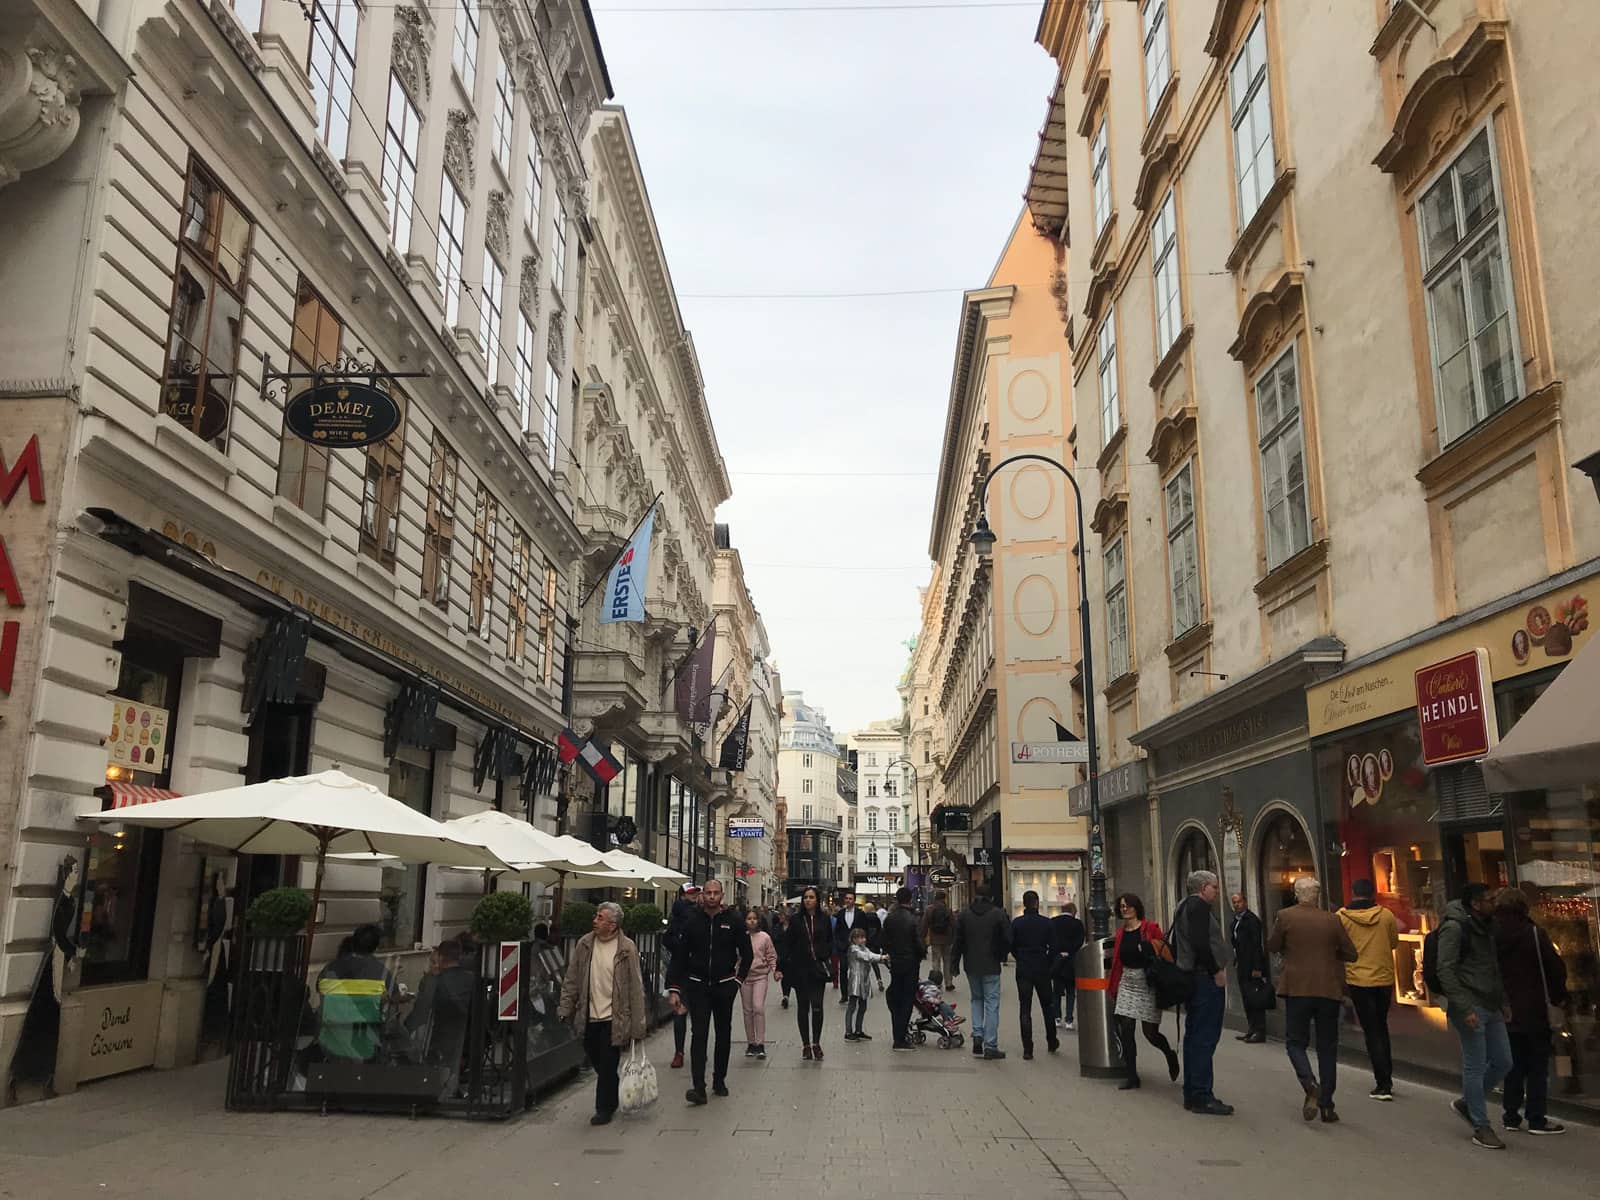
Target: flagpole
{"x": 628, "y": 541}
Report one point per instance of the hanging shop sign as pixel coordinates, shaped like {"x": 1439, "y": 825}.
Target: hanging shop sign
{"x": 1455, "y": 708}
{"x": 344, "y": 405}
{"x": 138, "y": 737}
{"x": 746, "y": 827}
{"x": 204, "y": 412}
{"x": 942, "y": 877}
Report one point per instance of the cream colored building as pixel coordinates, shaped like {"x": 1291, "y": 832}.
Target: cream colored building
{"x": 881, "y": 847}
{"x": 999, "y": 637}
{"x": 1330, "y": 331}
{"x": 813, "y": 816}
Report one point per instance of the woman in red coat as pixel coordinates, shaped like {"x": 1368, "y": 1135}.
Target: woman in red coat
{"x": 1132, "y": 1001}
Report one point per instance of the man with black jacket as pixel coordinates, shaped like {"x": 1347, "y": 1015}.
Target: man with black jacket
{"x": 983, "y": 939}
{"x": 902, "y": 942}
{"x": 1250, "y": 957}
{"x": 713, "y": 958}
{"x": 1033, "y": 945}
{"x": 1203, "y": 953}
{"x": 1070, "y": 936}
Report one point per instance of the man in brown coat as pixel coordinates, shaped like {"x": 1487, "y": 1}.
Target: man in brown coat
{"x": 603, "y": 997}
{"x": 1315, "y": 946}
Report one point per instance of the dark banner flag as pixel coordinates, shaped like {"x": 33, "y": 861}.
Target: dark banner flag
{"x": 692, "y": 689}
{"x": 737, "y": 744}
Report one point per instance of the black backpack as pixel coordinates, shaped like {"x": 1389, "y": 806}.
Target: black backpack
{"x": 1430, "y": 960}
{"x": 939, "y": 919}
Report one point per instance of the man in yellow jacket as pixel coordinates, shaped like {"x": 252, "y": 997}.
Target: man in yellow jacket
{"x": 1370, "y": 979}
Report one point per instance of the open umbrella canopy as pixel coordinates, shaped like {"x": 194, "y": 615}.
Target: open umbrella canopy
{"x": 643, "y": 869}
{"x": 538, "y": 857}
{"x": 1556, "y": 744}
{"x": 311, "y": 815}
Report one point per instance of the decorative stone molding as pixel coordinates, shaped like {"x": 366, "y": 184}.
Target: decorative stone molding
{"x": 397, "y": 264}
{"x": 498, "y": 230}
{"x": 237, "y": 35}
{"x": 1445, "y": 98}
{"x": 1270, "y": 313}
{"x": 561, "y": 52}
{"x": 528, "y": 287}
{"x": 411, "y": 50}
{"x": 459, "y": 148}
{"x": 557, "y": 353}
{"x": 331, "y": 171}
{"x": 39, "y": 97}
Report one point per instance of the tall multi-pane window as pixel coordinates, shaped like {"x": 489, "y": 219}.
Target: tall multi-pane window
{"x": 805, "y": 761}
{"x": 872, "y": 820}
{"x": 439, "y": 536}
{"x": 1110, "y": 408}
{"x": 452, "y": 247}
{"x": 547, "y": 625}
{"x": 1164, "y": 268}
{"x": 552, "y": 407}
{"x": 531, "y": 183}
{"x": 1100, "y": 176}
{"x": 331, "y": 63}
{"x": 402, "y": 129}
{"x": 1250, "y": 100}
{"x": 504, "y": 116}
{"x": 1157, "y": 53}
{"x": 485, "y": 531}
{"x": 1096, "y": 22}
{"x": 894, "y": 813}
{"x": 249, "y": 13}
{"x": 1471, "y": 312}
{"x": 380, "y": 492}
{"x": 1283, "y": 460}
{"x": 517, "y": 615}
{"x": 207, "y": 309}
{"x": 805, "y": 786}
{"x": 464, "y": 45}
{"x": 1183, "y": 550}
{"x": 522, "y": 374}
{"x": 494, "y": 286}
{"x": 558, "y": 254}
{"x": 313, "y": 344}
{"x": 1116, "y": 580}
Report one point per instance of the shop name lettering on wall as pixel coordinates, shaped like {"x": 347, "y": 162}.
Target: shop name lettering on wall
{"x": 27, "y": 467}
{"x": 121, "y": 1036}
{"x": 115, "y": 1034}
{"x": 1455, "y": 711}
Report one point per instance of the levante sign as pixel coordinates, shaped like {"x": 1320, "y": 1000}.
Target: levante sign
{"x": 342, "y": 415}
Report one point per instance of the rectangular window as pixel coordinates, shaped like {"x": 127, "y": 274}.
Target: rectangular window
{"x": 1283, "y": 468}
{"x": 494, "y": 286}
{"x": 517, "y": 616}
{"x": 532, "y": 184}
{"x": 504, "y": 116}
{"x": 894, "y": 818}
{"x": 313, "y": 344}
{"x": 552, "y": 409}
{"x": 805, "y": 761}
{"x": 872, "y": 820}
{"x": 547, "y": 625}
{"x": 207, "y": 309}
{"x": 1157, "y": 53}
{"x": 452, "y": 248}
{"x": 558, "y": 253}
{"x": 331, "y": 63}
{"x": 1250, "y": 100}
{"x": 805, "y": 843}
{"x": 805, "y": 786}
{"x": 403, "y": 125}
{"x": 1471, "y": 313}
{"x": 1164, "y": 268}
{"x": 485, "y": 531}
{"x": 1183, "y": 550}
{"x": 380, "y": 492}
{"x": 1110, "y": 409}
{"x": 464, "y": 47}
{"x": 523, "y": 375}
{"x": 1100, "y": 175}
{"x": 1096, "y": 22}
{"x": 439, "y": 538}
{"x": 1116, "y": 580}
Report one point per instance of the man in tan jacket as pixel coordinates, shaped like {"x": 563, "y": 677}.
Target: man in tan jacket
{"x": 1371, "y": 978}
{"x": 1314, "y": 944}
{"x": 602, "y": 997}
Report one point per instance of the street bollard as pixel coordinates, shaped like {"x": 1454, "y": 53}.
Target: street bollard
{"x": 1097, "y": 1051}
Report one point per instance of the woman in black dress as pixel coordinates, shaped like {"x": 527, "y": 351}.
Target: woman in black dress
{"x": 807, "y": 969}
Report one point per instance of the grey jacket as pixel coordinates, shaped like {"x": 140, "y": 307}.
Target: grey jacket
{"x": 1189, "y": 954}
{"x": 1469, "y": 966}
{"x": 630, "y": 1015}
{"x": 982, "y": 941}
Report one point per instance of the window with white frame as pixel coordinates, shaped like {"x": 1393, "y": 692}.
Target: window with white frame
{"x": 888, "y": 787}
{"x": 464, "y": 47}
{"x": 1157, "y": 53}
{"x": 805, "y": 812}
{"x": 523, "y": 374}
{"x": 485, "y": 533}
{"x": 452, "y": 247}
{"x": 494, "y": 286}
{"x": 894, "y": 820}
{"x": 402, "y": 129}
{"x": 806, "y": 787}
{"x": 558, "y": 253}
{"x": 331, "y": 64}
{"x": 805, "y": 761}
{"x": 1096, "y": 22}
{"x": 1100, "y": 176}
{"x": 1250, "y": 100}
{"x": 1116, "y": 580}
{"x": 872, "y": 854}
{"x": 1110, "y": 409}
{"x": 872, "y": 820}
{"x": 552, "y": 407}
{"x": 894, "y": 858}
{"x": 872, "y": 788}
{"x": 1164, "y": 269}
{"x": 1183, "y": 550}
{"x": 1283, "y": 466}
{"x": 504, "y": 116}
{"x": 532, "y": 184}
{"x": 1467, "y": 276}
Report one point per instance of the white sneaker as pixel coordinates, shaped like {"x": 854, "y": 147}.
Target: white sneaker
{"x": 1069, "y": 1026}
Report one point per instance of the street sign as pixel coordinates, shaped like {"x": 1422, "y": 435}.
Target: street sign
{"x": 1049, "y": 752}
{"x": 942, "y": 878}
{"x": 746, "y": 827}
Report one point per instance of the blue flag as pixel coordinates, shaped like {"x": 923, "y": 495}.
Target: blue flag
{"x": 624, "y": 595}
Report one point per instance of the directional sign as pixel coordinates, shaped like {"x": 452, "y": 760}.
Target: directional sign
{"x": 942, "y": 878}
{"x": 1049, "y": 752}
{"x": 746, "y": 827}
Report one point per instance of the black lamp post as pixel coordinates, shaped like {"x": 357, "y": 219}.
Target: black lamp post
{"x": 916, "y": 807}
{"x": 983, "y": 540}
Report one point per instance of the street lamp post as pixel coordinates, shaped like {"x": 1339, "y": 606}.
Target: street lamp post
{"x": 916, "y": 808}
{"x": 983, "y": 540}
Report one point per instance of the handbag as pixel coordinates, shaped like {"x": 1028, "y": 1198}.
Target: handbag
{"x": 1554, "y": 1013}
{"x": 822, "y": 972}
{"x": 1170, "y": 985}
{"x": 1259, "y": 994}
{"x": 637, "y": 1088}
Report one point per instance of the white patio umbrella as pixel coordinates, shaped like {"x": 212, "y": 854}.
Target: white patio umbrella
{"x": 310, "y": 816}
{"x": 644, "y": 869}
{"x": 535, "y": 856}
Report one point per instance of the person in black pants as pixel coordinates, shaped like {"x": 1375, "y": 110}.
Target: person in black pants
{"x": 682, "y": 907}
{"x": 902, "y": 942}
{"x": 1070, "y": 936}
{"x": 807, "y": 969}
{"x": 1249, "y": 939}
{"x": 1033, "y": 945}
{"x": 706, "y": 975}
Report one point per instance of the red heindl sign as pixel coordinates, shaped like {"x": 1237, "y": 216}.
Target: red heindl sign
{"x": 1455, "y": 709}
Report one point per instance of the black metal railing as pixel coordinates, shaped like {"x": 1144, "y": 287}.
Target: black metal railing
{"x": 271, "y": 1008}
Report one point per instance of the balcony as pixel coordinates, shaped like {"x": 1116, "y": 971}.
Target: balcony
{"x": 608, "y": 682}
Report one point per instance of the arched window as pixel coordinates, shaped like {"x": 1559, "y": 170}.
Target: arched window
{"x": 1194, "y": 854}
{"x": 1282, "y": 856}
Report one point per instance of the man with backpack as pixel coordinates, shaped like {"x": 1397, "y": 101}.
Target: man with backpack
{"x": 1467, "y": 970}
{"x": 938, "y": 927}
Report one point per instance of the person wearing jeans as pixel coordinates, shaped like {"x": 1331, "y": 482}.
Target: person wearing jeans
{"x": 1469, "y": 969}
{"x": 1315, "y": 948}
{"x": 1200, "y": 949}
{"x": 982, "y": 941}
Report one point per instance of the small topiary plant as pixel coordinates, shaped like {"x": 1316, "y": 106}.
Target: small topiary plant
{"x": 642, "y": 919}
{"x": 279, "y": 911}
{"x": 577, "y": 917}
{"x": 502, "y": 917}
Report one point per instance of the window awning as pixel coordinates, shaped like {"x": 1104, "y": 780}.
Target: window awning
{"x": 124, "y": 795}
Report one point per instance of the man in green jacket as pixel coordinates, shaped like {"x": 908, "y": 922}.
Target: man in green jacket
{"x": 1475, "y": 1000}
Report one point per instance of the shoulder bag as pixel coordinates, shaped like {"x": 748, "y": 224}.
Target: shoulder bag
{"x": 1170, "y": 985}
{"x": 820, "y": 971}
{"x": 1555, "y": 1014}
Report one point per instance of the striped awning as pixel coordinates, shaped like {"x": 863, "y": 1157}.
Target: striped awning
{"x": 124, "y": 795}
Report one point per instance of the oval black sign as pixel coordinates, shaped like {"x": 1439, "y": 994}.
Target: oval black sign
{"x": 942, "y": 878}
{"x": 342, "y": 415}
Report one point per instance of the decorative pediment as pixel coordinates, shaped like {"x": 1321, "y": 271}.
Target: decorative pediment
{"x": 1444, "y": 99}
{"x": 498, "y": 227}
{"x": 1110, "y": 512}
{"x": 1224, "y": 24}
{"x": 1100, "y": 289}
{"x": 411, "y": 49}
{"x": 1095, "y": 87}
{"x": 1267, "y": 317}
{"x": 458, "y": 148}
{"x": 1157, "y": 169}
{"x": 1174, "y": 436}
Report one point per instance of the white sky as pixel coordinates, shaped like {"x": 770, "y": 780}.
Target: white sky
{"x": 830, "y": 152}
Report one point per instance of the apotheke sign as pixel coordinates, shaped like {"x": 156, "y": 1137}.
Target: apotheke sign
{"x": 1455, "y": 709}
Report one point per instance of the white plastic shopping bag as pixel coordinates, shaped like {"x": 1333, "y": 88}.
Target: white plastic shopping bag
{"x": 636, "y": 1084}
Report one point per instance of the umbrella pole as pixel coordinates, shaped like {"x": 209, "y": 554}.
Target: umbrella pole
{"x": 316, "y": 895}
{"x": 561, "y": 890}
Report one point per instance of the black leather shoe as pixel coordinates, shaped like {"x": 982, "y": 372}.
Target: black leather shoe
{"x": 719, "y": 1089}
{"x": 977, "y": 1047}
{"x": 1027, "y": 1054}
{"x": 1212, "y": 1108}
{"x": 1173, "y": 1066}
{"x": 1128, "y": 1084}
{"x": 1054, "y": 1047}
{"x": 695, "y": 1096}
{"x": 1329, "y": 1117}
{"x": 600, "y": 1119}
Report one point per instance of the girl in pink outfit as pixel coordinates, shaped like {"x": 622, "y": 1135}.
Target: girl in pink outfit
{"x": 754, "y": 989}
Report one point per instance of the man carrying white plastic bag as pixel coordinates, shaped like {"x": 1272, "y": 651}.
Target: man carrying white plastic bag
{"x": 637, "y": 1090}
{"x": 602, "y": 997}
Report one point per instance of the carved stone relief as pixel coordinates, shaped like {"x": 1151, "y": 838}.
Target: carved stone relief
{"x": 498, "y": 229}
{"x": 459, "y": 148}
{"x": 528, "y": 288}
{"x": 557, "y": 352}
{"x": 411, "y": 50}
{"x": 39, "y": 93}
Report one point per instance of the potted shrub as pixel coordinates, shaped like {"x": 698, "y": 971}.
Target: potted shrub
{"x": 281, "y": 911}
{"x": 577, "y": 918}
{"x": 642, "y": 919}
{"x": 502, "y": 917}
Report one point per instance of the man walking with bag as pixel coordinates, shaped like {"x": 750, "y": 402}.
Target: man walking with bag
{"x": 704, "y": 982}
{"x": 1475, "y": 997}
{"x": 1370, "y": 979}
{"x": 1255, "y": 979}
{"x": 602, "y": 996}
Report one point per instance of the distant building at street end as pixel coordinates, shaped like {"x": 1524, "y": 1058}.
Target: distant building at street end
{"x": 808, "y": 788}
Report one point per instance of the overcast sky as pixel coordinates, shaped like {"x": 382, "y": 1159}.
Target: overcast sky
{"x": 815, "y": 151}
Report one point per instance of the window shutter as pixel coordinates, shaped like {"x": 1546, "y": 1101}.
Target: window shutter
{"x": 1463, "y": 795}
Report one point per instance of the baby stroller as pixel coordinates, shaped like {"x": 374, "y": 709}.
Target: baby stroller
{"x": 935, "y": 1015}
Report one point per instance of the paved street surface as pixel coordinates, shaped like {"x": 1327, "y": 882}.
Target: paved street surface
{"x": 864, "y": 1123}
